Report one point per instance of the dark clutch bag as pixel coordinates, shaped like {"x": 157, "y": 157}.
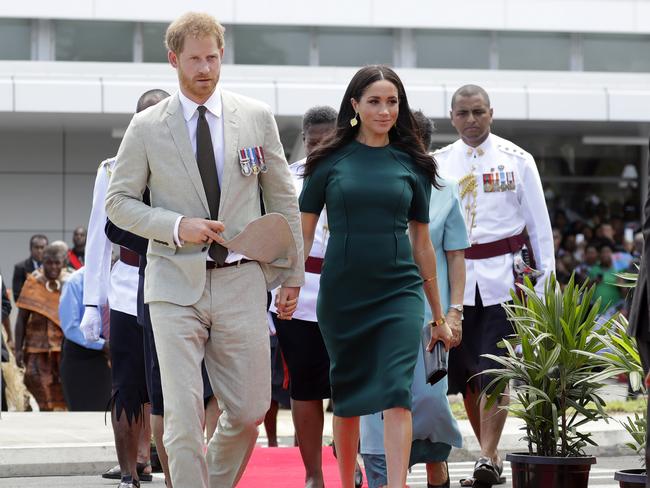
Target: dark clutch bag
{"x": 435, "y": 362}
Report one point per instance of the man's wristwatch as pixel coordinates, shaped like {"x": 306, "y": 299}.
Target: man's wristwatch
{"x": 457, "y": 306}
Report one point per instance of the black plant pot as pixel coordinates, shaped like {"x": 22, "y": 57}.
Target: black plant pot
{"x": 549, "y": 472}
{"x": 631, "y": 478}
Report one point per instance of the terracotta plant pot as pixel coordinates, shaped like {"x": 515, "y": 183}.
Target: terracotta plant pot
{"x": 549, "y": 472}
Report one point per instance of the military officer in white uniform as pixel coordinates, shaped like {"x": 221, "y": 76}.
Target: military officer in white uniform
{"x": 506, "y": 217}
{"x": 117, "y": 286}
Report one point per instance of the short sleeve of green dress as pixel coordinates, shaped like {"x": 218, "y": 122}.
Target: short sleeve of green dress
{"x": 371, "y": 304}
{"x": 312, "y": 198}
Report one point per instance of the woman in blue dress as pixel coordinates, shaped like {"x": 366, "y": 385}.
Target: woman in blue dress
{"x": 435, "y": 430}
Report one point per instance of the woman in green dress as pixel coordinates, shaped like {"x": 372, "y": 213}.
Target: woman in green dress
{"x": 374, "y": 177}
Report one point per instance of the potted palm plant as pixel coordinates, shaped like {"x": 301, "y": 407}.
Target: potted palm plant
{"x": 620, "y": 355}
{"x": 557, "y": 395}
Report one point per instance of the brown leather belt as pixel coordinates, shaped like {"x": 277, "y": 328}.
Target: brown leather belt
{"x": 129, "y": 257}
{"x": 508, "y": 245}
{"x": 214, "y": 265}
{"x": 313, "y": 265}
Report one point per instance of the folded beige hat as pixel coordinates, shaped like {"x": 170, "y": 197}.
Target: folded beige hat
{"x": 267, "y": 239}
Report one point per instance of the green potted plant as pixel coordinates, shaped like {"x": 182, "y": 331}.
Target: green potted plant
{"x": 620, "y": 355}
{"x": 557, "y": 395}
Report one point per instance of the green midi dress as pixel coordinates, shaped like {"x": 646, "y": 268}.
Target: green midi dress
{"x": 370, "y": 305}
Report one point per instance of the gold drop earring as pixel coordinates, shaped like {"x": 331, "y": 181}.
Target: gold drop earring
{"x": 354, "y": 121}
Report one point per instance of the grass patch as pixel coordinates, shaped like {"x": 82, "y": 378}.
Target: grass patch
{"x": 613, "y": 407}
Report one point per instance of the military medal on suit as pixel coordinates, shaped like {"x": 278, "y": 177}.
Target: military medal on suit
{"x": 251, "y": 160}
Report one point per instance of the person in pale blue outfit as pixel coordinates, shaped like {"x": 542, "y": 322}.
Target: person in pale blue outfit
{"x": 435, "y": 430}
{"x": 85, "y": 372}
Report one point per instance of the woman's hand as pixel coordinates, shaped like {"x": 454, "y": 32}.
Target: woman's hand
{"x": 440, "y": 333}
{"x": 455, "y": 321}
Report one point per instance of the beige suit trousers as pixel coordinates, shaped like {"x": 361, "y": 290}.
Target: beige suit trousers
{"x": 227, "y": 327}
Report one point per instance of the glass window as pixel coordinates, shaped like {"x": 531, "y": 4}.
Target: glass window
{"x": 547, "y": 51}
{"x": 355, "y": 47}
{"x": 84, "y": 40}
{"x": 15, "y": 39}
{"x": 271, "y": 45}
{"x": 153, "y": 43}
{"x": 452, "y": 49}
{"x": 616, "y": 53}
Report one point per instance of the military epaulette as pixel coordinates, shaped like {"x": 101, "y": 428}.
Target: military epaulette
{"x": 442, "y": 149}
{"x": 513, "y": 150}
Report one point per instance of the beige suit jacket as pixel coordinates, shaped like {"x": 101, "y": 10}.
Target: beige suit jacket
{"x": 156, "y": 152}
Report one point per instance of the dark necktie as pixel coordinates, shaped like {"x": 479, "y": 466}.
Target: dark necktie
{"x": 208, "y": 169}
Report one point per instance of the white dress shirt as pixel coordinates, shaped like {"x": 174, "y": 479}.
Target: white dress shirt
{"x": 309, "y": 292}
{"x": 118, "y": 285}
{"x": 500, "y": 214}
{"x": 214, "y": 117}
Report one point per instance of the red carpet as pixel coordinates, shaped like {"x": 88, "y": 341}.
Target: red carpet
{"x": 281, "y": 467}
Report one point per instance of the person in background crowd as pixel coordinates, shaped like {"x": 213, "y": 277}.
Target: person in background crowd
{"x": 76, "y": 254}
{"x": 24, "y": 268}
{"x": 6, "y": 310}
{"x": 375, "y": 178}
{"x": 38, "y": 330}
{"x": 435, "y": 430}
{"x": 85, "y": 372}
{"x": 4, "y": 351}
{"x": 590, "y": 260}
{"x": 557, "y": 240}
{"x": 300, "y": 339}
{"x": 560, "y": 222}
{"x": 604, "y": 236}
{"x": 604, "y": 275}
{"x": 505, "y": 210}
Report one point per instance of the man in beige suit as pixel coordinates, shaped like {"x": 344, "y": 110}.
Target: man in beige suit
{"x": 205, "y": 154}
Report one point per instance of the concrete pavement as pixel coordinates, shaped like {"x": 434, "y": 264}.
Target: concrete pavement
{"x": 81, "y": 443}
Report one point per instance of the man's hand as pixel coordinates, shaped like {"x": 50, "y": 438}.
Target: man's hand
{"x": 286, "y": 301}
{"x": 455, "y": 321}
{"x": 200, "y": 231}
{"x": 91, "y": 324}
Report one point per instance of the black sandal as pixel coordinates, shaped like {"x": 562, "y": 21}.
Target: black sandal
{"x": 115, "y": 473}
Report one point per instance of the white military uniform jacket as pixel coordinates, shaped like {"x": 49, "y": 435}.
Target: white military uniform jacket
{"x": 309, "y": 292}
{"x": 118, "y": 285}
{"x": 501, "y": 193}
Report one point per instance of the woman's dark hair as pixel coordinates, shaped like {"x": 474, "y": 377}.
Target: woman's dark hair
{"x": 404, "y": 136}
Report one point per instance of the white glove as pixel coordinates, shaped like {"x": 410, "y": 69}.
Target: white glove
{"x": 91, "y": 324}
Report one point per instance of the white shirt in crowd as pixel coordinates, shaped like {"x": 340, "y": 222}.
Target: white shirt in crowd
{"x": 118, "y": 285}
{"x": 501, "y": 213}
{"x": 309, "y": 292}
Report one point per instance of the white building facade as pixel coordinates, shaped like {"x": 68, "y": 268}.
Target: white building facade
{"x": 569, "y": 81}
